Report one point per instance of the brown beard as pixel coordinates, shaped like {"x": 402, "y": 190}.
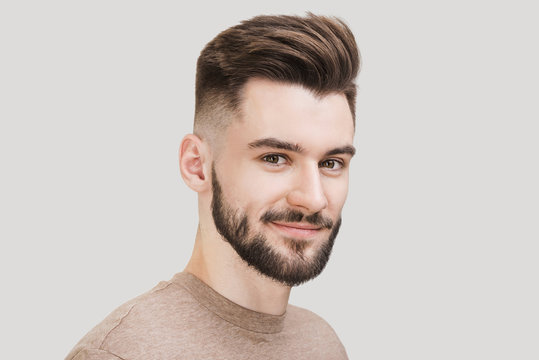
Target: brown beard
{"x": 255, "y": 250}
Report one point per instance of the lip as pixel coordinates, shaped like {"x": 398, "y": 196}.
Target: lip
{"x": 297, "y": 230}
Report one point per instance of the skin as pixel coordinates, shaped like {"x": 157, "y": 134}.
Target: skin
{"x": 289, "y": 149}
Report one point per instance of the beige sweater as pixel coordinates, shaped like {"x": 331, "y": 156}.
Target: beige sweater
{"x": 185, "y": 319}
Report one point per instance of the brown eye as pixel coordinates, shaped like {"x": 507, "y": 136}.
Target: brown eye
{"x": 331, "y": 164}
{"x": 273, "y": 158}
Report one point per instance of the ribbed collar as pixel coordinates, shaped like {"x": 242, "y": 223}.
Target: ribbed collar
{"x": 228, "y": 310}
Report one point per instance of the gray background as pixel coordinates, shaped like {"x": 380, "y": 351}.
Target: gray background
{"x": 437, "y": 258}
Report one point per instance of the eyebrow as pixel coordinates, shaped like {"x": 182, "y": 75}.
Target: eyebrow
{"x": 276, "y": 144}
{"x": 285, "y": 145}
{"x": 348, "y": 149}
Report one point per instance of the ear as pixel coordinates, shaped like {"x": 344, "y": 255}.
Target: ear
{"x": 194, "y": 163}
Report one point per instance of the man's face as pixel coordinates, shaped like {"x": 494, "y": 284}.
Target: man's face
{"x": 281, "y": 179}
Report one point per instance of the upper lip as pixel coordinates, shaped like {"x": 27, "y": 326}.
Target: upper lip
{"x": 303, "y": 226}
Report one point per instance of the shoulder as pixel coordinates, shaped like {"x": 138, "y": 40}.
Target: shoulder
{"x": 132, "y": 323}
{"x": 298, "y": 316}
{"x": 313, "y": 328}
{"x": 94, "y": 354}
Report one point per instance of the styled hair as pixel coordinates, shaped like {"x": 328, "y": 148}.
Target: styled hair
{"x": 316, "y": 52}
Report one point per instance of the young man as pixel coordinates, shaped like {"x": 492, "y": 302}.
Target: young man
{"x": 269, "y": 159}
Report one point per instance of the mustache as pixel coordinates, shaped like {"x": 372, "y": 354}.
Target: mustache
{"x": 316, "y": 219}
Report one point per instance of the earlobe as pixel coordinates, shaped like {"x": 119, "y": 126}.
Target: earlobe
{"x": 193, "y": 155}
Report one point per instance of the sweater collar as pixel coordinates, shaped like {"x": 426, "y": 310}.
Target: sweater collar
{"x": 228, "y": 310}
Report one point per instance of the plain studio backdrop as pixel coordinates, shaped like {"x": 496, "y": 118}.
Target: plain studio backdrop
{"x": 437, "y": 257}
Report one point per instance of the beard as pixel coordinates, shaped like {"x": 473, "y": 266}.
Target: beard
{"x": 292, "y": 269}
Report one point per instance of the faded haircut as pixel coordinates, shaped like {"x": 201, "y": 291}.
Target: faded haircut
{"x": 316, "y": 52}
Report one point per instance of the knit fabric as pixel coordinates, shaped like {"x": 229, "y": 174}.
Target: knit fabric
{"x": 186, "y": 319}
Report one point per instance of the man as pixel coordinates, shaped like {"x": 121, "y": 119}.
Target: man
{"x": 269, "y": 159}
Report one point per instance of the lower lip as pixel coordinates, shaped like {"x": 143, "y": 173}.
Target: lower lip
{"x": 297, "y": 232}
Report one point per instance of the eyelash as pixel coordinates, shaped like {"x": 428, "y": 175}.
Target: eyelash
{"x": 282, "y": 156}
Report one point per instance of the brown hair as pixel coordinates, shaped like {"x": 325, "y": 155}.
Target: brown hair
{"x": 316, "y": 52}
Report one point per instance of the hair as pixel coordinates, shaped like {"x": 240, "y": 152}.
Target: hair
{"x": 316, "y": 52}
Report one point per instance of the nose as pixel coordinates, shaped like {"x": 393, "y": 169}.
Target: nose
{"x": 308, "y": 191}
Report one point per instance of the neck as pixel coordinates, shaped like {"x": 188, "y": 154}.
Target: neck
{"x": 216, "y": 263}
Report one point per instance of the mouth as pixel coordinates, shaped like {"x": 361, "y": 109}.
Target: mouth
{"x": 297, "y": 230}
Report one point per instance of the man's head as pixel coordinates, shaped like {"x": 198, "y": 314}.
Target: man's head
{"x": 315, "y": 52}
{"x": 274, "y": 124}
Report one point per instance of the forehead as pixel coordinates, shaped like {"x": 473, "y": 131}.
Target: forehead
{"x": 292, "y": 113}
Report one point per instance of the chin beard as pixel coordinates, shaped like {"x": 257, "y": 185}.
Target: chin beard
{"x": 291, "y": 270}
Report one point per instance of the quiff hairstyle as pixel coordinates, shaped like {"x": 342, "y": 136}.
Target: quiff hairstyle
{"x": 316, "y": 52}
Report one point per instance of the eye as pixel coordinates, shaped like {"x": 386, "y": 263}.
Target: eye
{"x": 331, "y": 164}
{"x": 274, "y": 159}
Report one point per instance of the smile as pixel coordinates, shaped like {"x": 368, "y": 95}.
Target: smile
{"x": 297, "y": 230}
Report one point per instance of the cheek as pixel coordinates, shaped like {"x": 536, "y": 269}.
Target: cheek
{"x": 336, "y": 193}
{"x": 255, "y": 191}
